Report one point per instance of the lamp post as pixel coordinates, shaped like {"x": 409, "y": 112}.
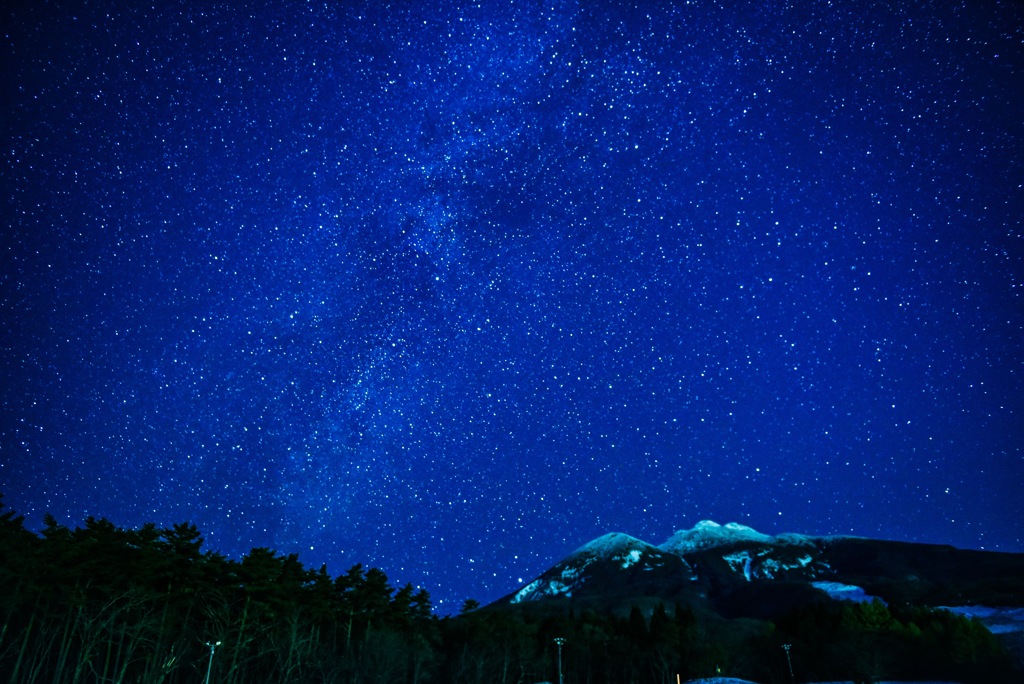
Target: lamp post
{"x": 209, "y": 665}
{"x": 786, "y": 647}
{"x": 560, "y": 641}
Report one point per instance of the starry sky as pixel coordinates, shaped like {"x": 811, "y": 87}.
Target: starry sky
{"x": 450, "y": 289}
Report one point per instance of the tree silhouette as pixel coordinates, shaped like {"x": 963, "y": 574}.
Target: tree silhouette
{"x": 99, "y": 603}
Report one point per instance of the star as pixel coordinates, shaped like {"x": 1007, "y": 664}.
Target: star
{"x": 450, "y": 291}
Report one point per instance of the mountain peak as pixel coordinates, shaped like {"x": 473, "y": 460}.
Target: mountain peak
{"x": 708, "y": 534}
{"x": 611, "y": 544}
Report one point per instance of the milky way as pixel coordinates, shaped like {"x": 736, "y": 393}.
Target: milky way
{"x": 450, "y": 289}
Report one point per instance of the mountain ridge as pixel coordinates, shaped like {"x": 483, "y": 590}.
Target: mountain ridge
{"x": 737, "y": 571}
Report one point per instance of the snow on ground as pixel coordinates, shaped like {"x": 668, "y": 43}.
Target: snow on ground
{"x": 998, "y": 620}
{"x": 844, "y": 592}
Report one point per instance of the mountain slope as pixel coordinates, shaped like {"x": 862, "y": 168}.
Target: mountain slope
{"x": 614, "y": 565}
{"x": 736, "y": 571}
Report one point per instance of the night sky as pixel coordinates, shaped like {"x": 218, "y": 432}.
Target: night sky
{"x": 450, "y": 289}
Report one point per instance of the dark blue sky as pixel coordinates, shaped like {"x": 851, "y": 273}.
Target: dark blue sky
{"x": 450, "y": 289}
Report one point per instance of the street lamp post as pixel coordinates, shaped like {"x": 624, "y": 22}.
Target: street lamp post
{"x": 560, "y": 641}
{"x": 786, "y": 647}
{"x": 209, "y": 665}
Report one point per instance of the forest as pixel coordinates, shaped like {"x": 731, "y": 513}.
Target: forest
{"x": 99, "y": 603}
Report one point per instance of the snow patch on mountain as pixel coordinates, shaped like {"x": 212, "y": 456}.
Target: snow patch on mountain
{"x": 572, "y": 573}
{"x": 794, "y": 539}
{"x": 740, "y": 561}
{"x": 845, "y": 592}
{"x": 538, "y": 589}
{"x": 611, "y": 545}
{"x": 771, "y": 567}
{"x": 997, "y": 620}
{"x": 708, "y": 534}
{"x": 616, "y": 546}
{"x": 631, "y": 558}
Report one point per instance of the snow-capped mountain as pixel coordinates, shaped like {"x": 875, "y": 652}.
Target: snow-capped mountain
{"x": 735, "y": 570}
{"x": 604, "y": 562}
{"x": 708, "y": 534}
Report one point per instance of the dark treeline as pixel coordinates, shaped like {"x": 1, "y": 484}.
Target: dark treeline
{"x": 103, "y": 604}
